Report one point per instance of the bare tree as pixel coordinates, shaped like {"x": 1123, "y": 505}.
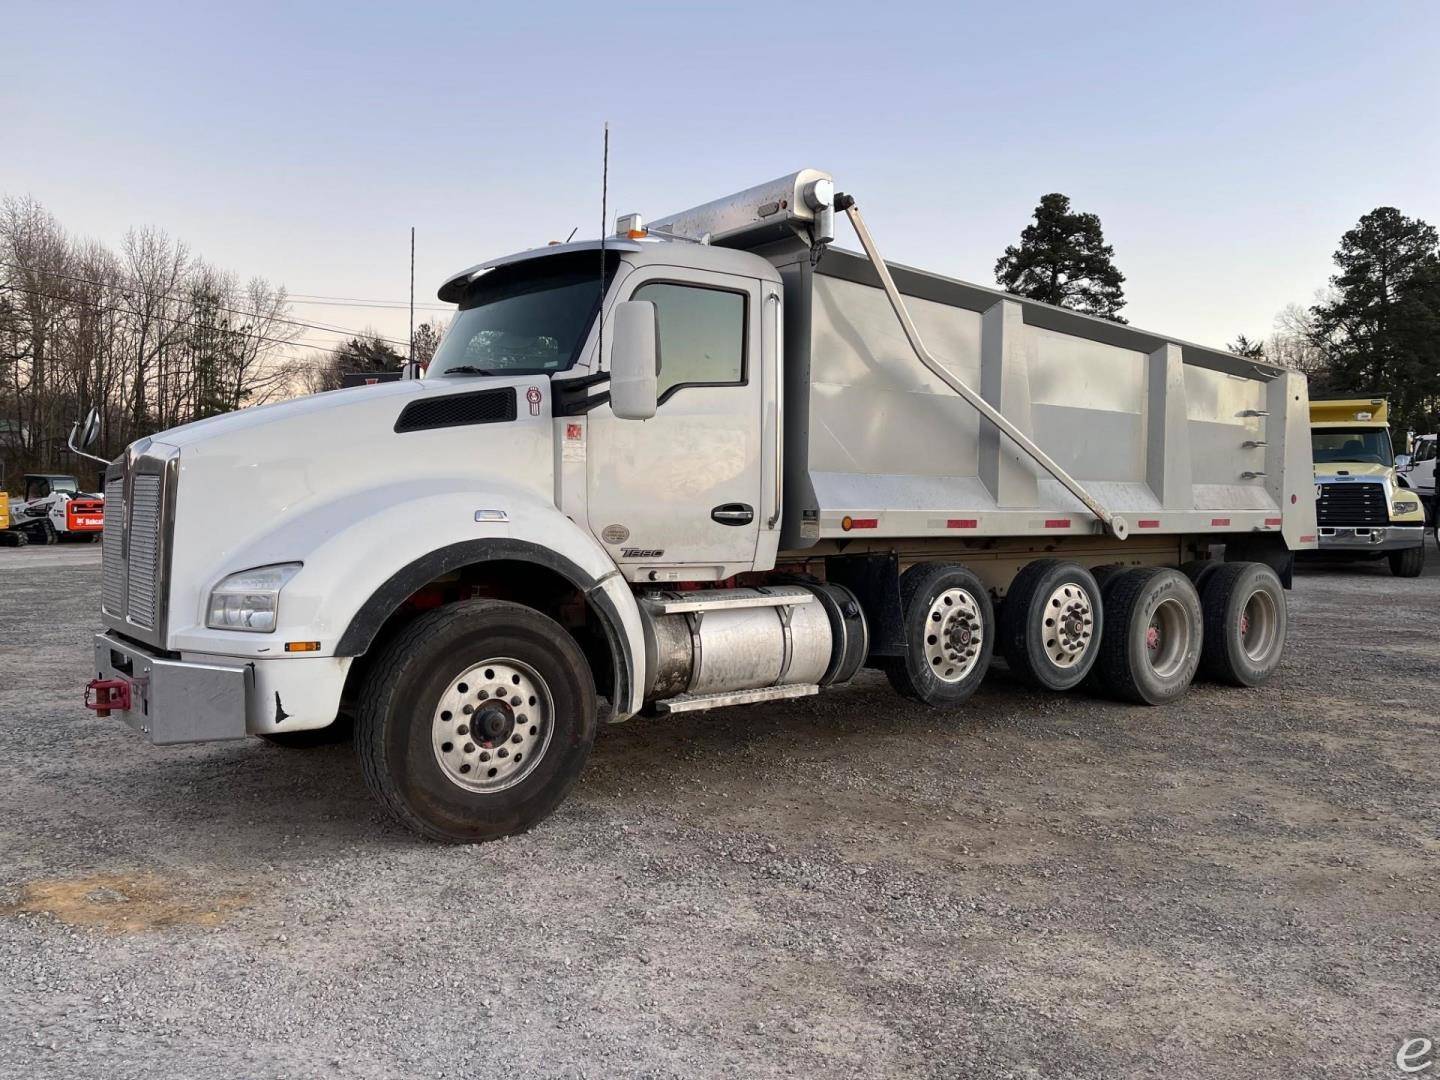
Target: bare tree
{"x": 152, "y": 336}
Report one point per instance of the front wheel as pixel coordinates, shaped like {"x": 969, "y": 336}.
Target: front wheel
{"x": 475, "y": 721}
{"x": 1409, "y": 562}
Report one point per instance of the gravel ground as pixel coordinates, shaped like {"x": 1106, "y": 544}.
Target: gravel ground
{"x": 1239, "y": 885}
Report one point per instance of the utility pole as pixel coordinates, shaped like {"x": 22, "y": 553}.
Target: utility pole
{"x": 412, "y": 296}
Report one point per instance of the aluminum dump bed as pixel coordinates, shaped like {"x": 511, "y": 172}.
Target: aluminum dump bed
{"x": 1155, "y": 434}
{"x": 1176, "y": 437}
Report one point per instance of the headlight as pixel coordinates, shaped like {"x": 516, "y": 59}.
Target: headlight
{"x": 1405, "y": 506}
{"x": 250, "y": 600}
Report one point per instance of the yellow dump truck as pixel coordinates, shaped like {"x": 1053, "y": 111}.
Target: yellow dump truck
{"x": 1360, "y": 506}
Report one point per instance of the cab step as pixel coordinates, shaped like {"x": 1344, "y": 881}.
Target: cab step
{"x": 699, "y": 702}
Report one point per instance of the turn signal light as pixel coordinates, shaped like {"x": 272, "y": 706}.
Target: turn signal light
{"x": 302, "y": 646}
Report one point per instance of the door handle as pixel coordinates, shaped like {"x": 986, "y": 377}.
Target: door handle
{"x": 733, "y": 514}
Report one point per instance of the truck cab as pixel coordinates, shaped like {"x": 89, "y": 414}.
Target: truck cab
{"x": 1363, "y": 509}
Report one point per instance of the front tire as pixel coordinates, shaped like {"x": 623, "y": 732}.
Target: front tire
{"x": 475, "y": 721}
{"x": 1409, "y": 562}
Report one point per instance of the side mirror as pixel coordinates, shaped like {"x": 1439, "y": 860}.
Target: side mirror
{"x": 1402, "y": 461}
{"x": 83, "y": 433}
{"x": 634, "y": 360}
{"x": 90, "y": 429}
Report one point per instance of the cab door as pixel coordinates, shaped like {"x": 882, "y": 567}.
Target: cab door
{"x": 1422, "y": 471}
{"x": 677, "y": 497}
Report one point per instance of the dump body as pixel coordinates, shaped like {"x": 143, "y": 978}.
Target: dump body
{"x": 1178, "y": 438}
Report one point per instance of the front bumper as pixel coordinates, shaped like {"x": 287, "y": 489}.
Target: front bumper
{"x": 1378, "y": 538}
{"x": 176, "y": 701}
{"x": 203, "y": 698}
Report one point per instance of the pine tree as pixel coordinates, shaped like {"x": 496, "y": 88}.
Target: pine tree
{"x": 1251, "y": 350}
{"x": 1063, "y": 259}
{"x": 1383, "y": 326}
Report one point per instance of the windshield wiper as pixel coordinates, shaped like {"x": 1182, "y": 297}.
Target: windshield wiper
{"x": 468, "y": 369}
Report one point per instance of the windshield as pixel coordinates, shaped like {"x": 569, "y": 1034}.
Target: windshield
{"x": 523, "y": 319}
{"x": 1367, "y": 446}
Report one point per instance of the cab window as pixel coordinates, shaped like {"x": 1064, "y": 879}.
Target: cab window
{"x": 1364, "y": 446}
{"x": 702, "y": 335}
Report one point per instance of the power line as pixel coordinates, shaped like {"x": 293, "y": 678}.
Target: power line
{"x": 291, "y": 342}
{"x": 398, "y": 305}
{"x": 341, "y": 330}
{"x": 363, "y": 301}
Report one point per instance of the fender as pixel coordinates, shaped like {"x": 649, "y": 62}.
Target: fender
{"x": 385, "y": 600}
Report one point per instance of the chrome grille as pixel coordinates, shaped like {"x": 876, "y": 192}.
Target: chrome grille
{"x": 135, "y": 558}
{"x": 1348, "y": 504}
{"x": 144, "y": 562}
{"x": 112, "y": 549}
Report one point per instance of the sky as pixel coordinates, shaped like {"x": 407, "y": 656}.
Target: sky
{"x": 1225, "y": 146}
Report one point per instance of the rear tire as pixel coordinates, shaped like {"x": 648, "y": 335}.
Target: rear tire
{"x": 1199, "y": 571}
{"x": 949, "y": 634}
{"x": 1051, "y": 622}
{"x": 1153, "y": 629}
{"x": 13, "y": 538}
{"x": 1410, "y": 562}
{"x": 514, "y": 675}
{"x": 1245, "y": 624}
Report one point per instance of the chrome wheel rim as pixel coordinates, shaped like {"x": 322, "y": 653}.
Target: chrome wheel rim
{"x": 492, "y": 725}
{"x": 1069, "y": 624}
{"x": 954, "y": 634}
{"x": 1167, "y": 638}
{"x": 1259, "y": 626}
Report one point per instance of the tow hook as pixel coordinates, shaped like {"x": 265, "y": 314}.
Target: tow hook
{"x": 102, "y": 695}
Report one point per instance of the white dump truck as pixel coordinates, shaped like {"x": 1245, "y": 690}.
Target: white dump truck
{"x": 706, "y": 462}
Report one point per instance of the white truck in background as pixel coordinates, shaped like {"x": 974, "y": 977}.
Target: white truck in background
{"x": 709, "y": 462}
{"x": 1418, "y": 472}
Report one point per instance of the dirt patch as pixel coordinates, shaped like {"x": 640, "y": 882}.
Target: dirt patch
{"x": 125, "y": 903}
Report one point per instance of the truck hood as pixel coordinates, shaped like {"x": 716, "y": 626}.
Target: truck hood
{"x": 271, "y": 484}
{"x": 357, "y": 400}
{"x": 1331, "y": 470}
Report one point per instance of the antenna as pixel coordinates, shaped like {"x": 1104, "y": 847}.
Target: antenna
{"x": 604, "y": 214}
{"x": 412, "y": 294}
